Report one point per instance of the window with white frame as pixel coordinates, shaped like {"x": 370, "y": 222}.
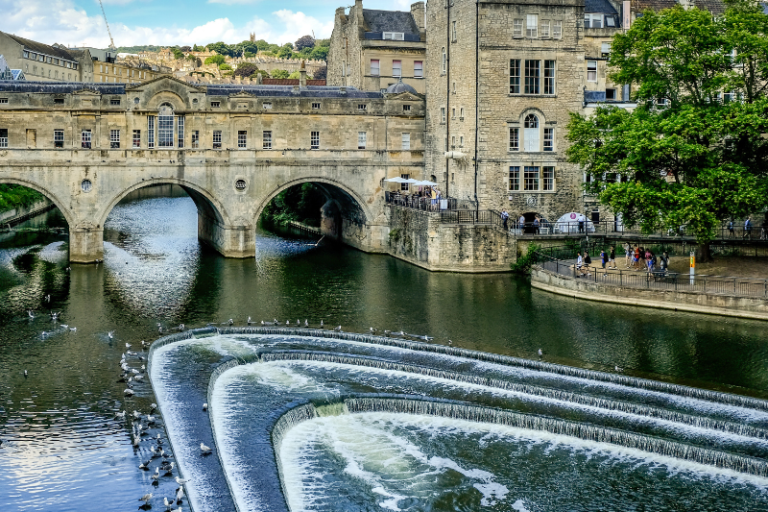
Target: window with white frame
{"x": 165, "y": 120}
{"x": 375, "y": 67}
{"x": 549, "y": 77}
{"x": 532, "y": 76}
{"x": 361, "y": 140}
{"x": 544, "y": 27}
{"x": 3, "y": 137}
{"x": 136, "y": 139}
{"x": 453, "y": 113}
{"x": 514, "y": 76}
{"x": 517, "y": 27}
{"x": 531, "y": 133}
{"x": 314, "y": 140}
{"x": 591, "y": 71}
{"x": 406, "y": 109}
{"x": 442, "y": 115}
{"x": 514, "y": 139}
{"x": 461, "y": 141}
{"x": 85, "y": 139}
{"x": 362, "y": 107}
{"x": 404, "y": 187}
{"x": 531, "y": 178}
{"x": 461, "y": 114}
{"x": 58, "y": 139}
{"x": 115, "y": 102}
{"x": 114, "y": 139}
{"x": 549, "y": 139}
{"x": 593, "y": 21}
{"x": 548, "y": 178}
{"x": 514, "y": 178}
{"x": 267, "y": 105}
{"x": 151, "y": 132}
{"x": 605, "y": 49}
{"x": 406, "y": 141}
{"x": 394, "y": 36}
{"x": 397, "y": 68}
{"x": 444, "y": 62}
{"x": 418, "y": 69}
{"x": 266, "y": 140}
{"x": 195, "y": 139}
{"x": 557, "y": 29}
{"x": 217, "y": 139}
{"x": 3, "y": 101}
{"x": 242, "y": 139}
{"x": 180, "y": 131}
{"x": 453, "y": 31}
{"x": 610, "y": 21}
{"x": 532, "y": 25}
{"x": 215, "y": 104}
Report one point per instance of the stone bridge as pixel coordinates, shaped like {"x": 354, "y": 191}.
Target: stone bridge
{"x": 231, "y": 148}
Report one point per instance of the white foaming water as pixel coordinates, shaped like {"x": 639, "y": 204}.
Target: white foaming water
{"x": 360, "y": 442}
{"x": 392, "y": 375}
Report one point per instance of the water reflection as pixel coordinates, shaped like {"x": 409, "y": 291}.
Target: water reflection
{"x": 62, "y": 446}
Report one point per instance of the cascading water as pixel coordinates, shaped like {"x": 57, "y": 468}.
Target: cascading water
{"x": 301, "y": 421}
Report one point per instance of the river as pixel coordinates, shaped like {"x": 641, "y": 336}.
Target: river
{"x": 62, "y": 448}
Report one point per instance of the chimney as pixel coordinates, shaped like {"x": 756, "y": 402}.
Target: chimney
{"x": 303, "y": 75}
{"x": 419, "y": 16}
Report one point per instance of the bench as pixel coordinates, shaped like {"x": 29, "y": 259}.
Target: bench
{"x": 664, "y": 276}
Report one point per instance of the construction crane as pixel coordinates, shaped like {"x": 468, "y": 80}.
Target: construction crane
{"x": 111, "y": 41}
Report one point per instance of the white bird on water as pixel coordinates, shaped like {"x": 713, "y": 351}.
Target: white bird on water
{"x": 541, "y": 353}
{"x": 31, "y": 315}
{"x": 205, "y": 406}
{"x": 146, "y": 498}
{"x": 618, "y": 369}
{"x": 127, "y": 345}
{"x": 179, "y": 492}
{"x": 181, "y": 481}
{"x": 128, "y": 392}
{"x": 111, "y": 334}
{"x": 73, "y": 329}
{"x": 205, "y": 450}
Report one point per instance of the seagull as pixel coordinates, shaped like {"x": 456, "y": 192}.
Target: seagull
{"x": 287, "y": 322}
{"x": 111, "y": 334}
{"x": 127, "y": 345}
{"x": 206, "y": 450}
{"x": 64, "y": 326}
{"x": 68, "y": 269}
{"x": 618, "y": 369}
{"x": 205, "y": 406}
{"x": 450, "y": 342}
{"x": 128, "y": 392}
{"x": 179, "y": 492}
{"x": 298, "y": 323}
{"x": 45, "y": 334}
{"x": 306, "y": 322}
{"x": 337, "y": 329}
{"x": 48, "y": 298}
{"x": 25, "y": 374}
{"x": 30, "y": 314}
{"x": 541, "y": 353}
{"x": 169, "y": 470}
{"x": 146, "y": 498}
{"x": 120, "y": 415}
{"x": 144, "y": 466}
{"x": 156, "y": 477}
{"x": 152, "y": 407}
{"x": 136, "y": 441}
{"x": 54, "y": 316}
{"x": 249, "y": 321}
{"x": 181, "y": 327}
{"x": 321, "y": 324}
{"x": 275, "y": 322}
{"x": 181, "y": 481}
{"x": 138, "y": 378}
{"x": 73, "y": 329}
{"x": 143, "y": 343}
{"x": 372, "y": 330}
{"x": 167, "y": 503}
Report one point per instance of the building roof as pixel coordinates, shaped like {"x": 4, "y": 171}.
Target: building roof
{"x": 311, "y": 91}
{"x": 599, "y": 6}
{"x": 390, "y": 21}
{"x": 399, "y": 87}
{"x": 34, "y": 46}
{"x": 713, "y": 6}
{"x": 60, "y": 87}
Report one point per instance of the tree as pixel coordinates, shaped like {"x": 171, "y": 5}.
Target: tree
{"x": 279, "y": 73}
{"x": 286, "y": 51}
{"x": 321, "y": 73}
{"x": 177, "y": 54}
{"x": 222, "y": 48}
{"x": 185, "y": 49}
{"x": 215, "y": 59}
{"x": 686, "y": 155}
{"x": 225, "y": 67}
{"x": 319, "y": 53}
{"x": 194, "y": 60}
{"x": 246, "y": 69}
{"x": 197, "y": 48}
{"x": 249, "y": 47}
{"x": 304, "y": 42}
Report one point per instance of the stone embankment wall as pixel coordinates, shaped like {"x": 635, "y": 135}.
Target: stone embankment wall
{"x": 696, "y": 302}
{"x": 11, "y": 216}
{"x": 420, "y": 238}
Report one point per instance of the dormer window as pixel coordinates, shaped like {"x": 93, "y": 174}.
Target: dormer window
{"x": 593, "y": 21}
{"x": 394, "y": 36}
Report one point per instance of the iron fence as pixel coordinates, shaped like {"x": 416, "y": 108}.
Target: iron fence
{"x": 655, "y": 280}
{"x": 612, "y": 228}
{"x": 420, "y": 203}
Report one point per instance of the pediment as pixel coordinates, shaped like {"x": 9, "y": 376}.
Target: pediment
{"x": 86, "y": 92}
{"x": 242, "y": 94}
{"x": 406, "y": 96}
{"x": 164, "y": 82}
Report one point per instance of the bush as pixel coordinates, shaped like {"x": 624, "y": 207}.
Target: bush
{"x": 279, "y": 73}
{"x": 225, "y": 67}
{"x": 246, "y": 69}
{"x": 524, "y": 263}
{"x": 15, "y": 196}
{"x": 215, "y": 59}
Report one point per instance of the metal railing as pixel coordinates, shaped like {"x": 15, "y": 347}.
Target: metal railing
{"x": 420, "y": 203}
{"x": 488, "y": 217}
{"x": 611, "y": 228}
{"x": 656, "y": 280}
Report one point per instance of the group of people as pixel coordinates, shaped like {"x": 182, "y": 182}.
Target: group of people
{"x": 534, "y": 225}
{"x": 748, "y": 226}
{"x": 433, "y": 194}
{"x": 637, "y": 258}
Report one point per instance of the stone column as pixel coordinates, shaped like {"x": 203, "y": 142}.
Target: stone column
{"x": 237, "y": 241}
{"x": 86, "y": 244}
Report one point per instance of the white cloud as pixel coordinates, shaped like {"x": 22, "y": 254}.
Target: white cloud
{"x": 60, "y": 21}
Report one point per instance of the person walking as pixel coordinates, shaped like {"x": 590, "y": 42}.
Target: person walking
{"x": 628, "y": 254}
{"x": 579, "y": 263}
{"x": 522, "y": 224}
{"x": 603, "y": 261}
{"x": 536, "y": 225}
{"x": 636, "y": 257}
{"x": 649, "y": 260}
{"x": 731, "y": 234}
{"x": 505, "y": 219}
{"x": 747, "y": 228}
{"x": 581, "y": 223}
{"x": 612, "y": 258}
{"x": 664, "y": 261}
{"x": 587, "y": 262}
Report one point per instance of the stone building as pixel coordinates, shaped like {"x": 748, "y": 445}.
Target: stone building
{"x": 372, "y": 49}
{"x": 45, "y": 63}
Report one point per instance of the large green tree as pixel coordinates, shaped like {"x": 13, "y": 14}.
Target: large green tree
{"x": 692, "y": 152}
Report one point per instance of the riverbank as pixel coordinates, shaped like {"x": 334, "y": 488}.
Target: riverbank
{"x": 753, "y": 308}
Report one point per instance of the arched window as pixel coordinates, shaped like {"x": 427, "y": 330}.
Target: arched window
{"x": 531, "y": 133}
{"x": 165, "y": 126}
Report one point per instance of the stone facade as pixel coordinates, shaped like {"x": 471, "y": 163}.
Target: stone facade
{"x": 232, "y": 148}
{"x": 45, "y": 63}
{"x": 361, "y": 57}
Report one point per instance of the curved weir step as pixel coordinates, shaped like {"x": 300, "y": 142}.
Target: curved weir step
{"x": 261, "y": 383}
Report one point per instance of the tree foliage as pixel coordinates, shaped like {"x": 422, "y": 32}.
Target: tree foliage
{"x": 279, "y": 73}
{"x": 246, "y": 69}
{"x": 304, "y": 42}
{"x": 215, "y": 59}
{"x": 693, "y": 150}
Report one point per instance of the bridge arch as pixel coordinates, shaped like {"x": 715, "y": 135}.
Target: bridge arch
{"x": 61, "y": 205}
{"x": 334, "y": 189}
{"x": 207, "y": 204}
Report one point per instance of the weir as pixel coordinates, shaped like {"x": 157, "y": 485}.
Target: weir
{"x": 262, "y": 383}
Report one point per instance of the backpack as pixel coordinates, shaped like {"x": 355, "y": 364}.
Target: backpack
{"x": 588, "y": 260}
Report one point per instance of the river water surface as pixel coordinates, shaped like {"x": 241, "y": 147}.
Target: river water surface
{"x": 62, "y": 447}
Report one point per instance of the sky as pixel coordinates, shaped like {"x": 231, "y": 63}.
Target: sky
{"x": 173, "y": 22}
